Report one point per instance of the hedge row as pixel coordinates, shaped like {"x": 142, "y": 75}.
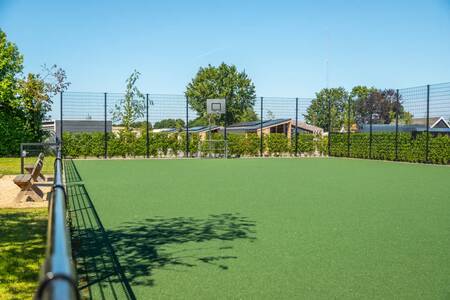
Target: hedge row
{"x": 411, "y": 148}
{"x": 128, "y": 144}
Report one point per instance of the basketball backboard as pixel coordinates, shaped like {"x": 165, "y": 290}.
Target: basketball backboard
{"x": 215, "y": 106}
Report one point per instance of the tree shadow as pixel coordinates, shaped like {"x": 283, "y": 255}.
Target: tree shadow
{"x": 141, "y": 245}
{"x": 108, "y": 261}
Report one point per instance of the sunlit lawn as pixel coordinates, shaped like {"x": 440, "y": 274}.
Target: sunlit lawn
{"x": 22, "y": 250}
{"x": 11, "y": 165}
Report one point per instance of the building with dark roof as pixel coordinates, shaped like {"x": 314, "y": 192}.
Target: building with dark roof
{"x": 435, "y": 122}
{"x": 267, "y": 126}
{"x": 303, "y": 127}
{"x": 437, "y": 125}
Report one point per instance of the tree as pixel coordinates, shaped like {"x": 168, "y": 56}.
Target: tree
{"x": 270, "y": 115}
{"x": 36, "y": 93}
{"x": 318, "y": 112}
{"x": 358, "y": 95}
{"x": 10, "y": 68}
{"x": 224, "y": 81}
{"x": 170, "y": 123}
{"x": 132, "y": 106}
{"x": 24, "y": 100}
{"x": 381, "y": 106}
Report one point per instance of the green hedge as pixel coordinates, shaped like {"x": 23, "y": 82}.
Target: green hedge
{"x": 243, "y": 145}
{"x": 411, "y": 148}
{"x": 168, "y": 144}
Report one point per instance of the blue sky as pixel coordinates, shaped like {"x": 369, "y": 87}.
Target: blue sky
{"x": 282, "y": 45}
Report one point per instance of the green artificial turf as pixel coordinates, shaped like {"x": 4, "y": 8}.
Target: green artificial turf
{"x": 276, "y": 228}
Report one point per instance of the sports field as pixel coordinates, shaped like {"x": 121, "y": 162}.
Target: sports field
{"x": 276, "y": 228}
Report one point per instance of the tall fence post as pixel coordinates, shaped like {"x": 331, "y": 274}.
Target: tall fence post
{"x": 348, "y": 125}
{"x": 329, "y": 126}
{"x": 187, "y": 127}
{"x": 225, "y": 136}
{"x": 428, "y": 124}
{"x": 61, "y": 126}
{"x": 296, "y": 127}
{"x": 147, "y": 137}
{"x": 105, "y": 128}
{"x": 261, "y": 141}
{"x": 396, "y": 123}
{"x": 370, "y": 131}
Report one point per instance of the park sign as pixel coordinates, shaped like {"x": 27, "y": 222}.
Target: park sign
{"x": 215, "y": 106}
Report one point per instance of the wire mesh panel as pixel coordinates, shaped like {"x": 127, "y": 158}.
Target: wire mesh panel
{"x": 169, "y": 119}
{"x": 83, "y": 106}
{"x": 412, "y": 136}
{"x": 82, "y": 124}
{"x": 127, "y": 116}
{"x": 410, "y": 124}
{"x": 385, "y": 107}
{"x": 439, "y": 135}
{"x": 278, "y": 114}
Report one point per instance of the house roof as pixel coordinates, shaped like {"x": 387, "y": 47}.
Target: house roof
{"x": 389, "y": 128}
{"x": 157, "y": 130}
{"x": 199, "y": 129}
{"x": 309, "y": 127}
{"x": 433, "y": 121}
{"x": 423, "y": 121}
{"x": 255, "y": 125}
{"x": 401, "y": 128}
{"x": 195, "y": 129}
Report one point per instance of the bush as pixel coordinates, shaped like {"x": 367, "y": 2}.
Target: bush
{"x": 243, "y": 144}
{"x": 277, "y": 144}
{"x": 411, "y": 147}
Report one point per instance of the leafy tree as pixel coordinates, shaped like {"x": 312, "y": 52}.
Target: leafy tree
{"x": 10, "y": 67}
{"x": 24, "y": 101}
{"x": 200, "y": 121}
{"x": 318, "y": 113}
{"x": 381, "y": 106}
{"x": 359, "y": 94}
{"x": 132, "y": 106}
{"x": 170, "y": 123}
{"x": 224, "y": 81}
{"x": 142, "y": 124}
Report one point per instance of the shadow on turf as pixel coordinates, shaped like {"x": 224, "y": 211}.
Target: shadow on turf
{"x": 140, "y": 244}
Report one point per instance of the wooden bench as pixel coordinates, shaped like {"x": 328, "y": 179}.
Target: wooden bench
{"x": 29, "y": 168}
{"x": 28, "y": 188}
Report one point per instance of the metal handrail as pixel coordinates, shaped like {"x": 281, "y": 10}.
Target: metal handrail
{"x": 58, "y": 278}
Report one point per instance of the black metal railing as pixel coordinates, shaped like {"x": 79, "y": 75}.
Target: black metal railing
{"x": 58, "y": 278}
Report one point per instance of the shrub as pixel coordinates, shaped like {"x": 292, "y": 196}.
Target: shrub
{"x": 277, "y": 144}
{"x": 411, "y": 147}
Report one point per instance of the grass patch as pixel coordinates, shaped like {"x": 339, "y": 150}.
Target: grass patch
{"x": 11, "y": 165}
{"x": 22, "y": 250}
{"x": 276, "y": 228}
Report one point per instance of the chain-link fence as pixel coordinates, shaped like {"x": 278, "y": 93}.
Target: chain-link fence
{"x": 410, "y": 124}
